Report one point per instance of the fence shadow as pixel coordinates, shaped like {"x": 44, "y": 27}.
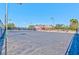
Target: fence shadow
{"x": 73, "y": 48}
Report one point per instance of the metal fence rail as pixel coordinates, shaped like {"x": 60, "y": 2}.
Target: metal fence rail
{"x": 2, "y": 35}
{"x": 73, "y": 48}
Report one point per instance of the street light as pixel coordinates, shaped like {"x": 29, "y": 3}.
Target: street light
{"x": 52, "y": 18}
{"x": 6, "y": 22}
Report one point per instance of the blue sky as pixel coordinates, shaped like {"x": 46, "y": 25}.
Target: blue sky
{"x": 40, "y": 13}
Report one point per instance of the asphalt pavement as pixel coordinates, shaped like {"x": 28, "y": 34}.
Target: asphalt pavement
{"x": 38, "y": 43}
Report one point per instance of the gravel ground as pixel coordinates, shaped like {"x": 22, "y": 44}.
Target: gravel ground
{"x": 38, "y": 43}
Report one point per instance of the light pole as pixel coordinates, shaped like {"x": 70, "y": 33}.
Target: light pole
{"x": 6, "y": 22}
{"x": 52, "y": 20}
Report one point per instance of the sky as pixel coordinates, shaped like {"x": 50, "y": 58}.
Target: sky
{"x": 40, "y": 13}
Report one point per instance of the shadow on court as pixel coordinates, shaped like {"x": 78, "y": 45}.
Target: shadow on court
{"x": 73, "y": 48}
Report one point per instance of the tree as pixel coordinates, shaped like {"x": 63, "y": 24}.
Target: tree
{"x": 31, "y": 27}
{"x": 59, "y": 26}
{"x": 11, "y": 25}
{"x": 73, "y": 24}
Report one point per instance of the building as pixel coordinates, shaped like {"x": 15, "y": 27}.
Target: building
{"x": 43, "y": 27}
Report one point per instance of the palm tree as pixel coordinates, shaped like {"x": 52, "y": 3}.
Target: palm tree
{"x": 73, "y": 24}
